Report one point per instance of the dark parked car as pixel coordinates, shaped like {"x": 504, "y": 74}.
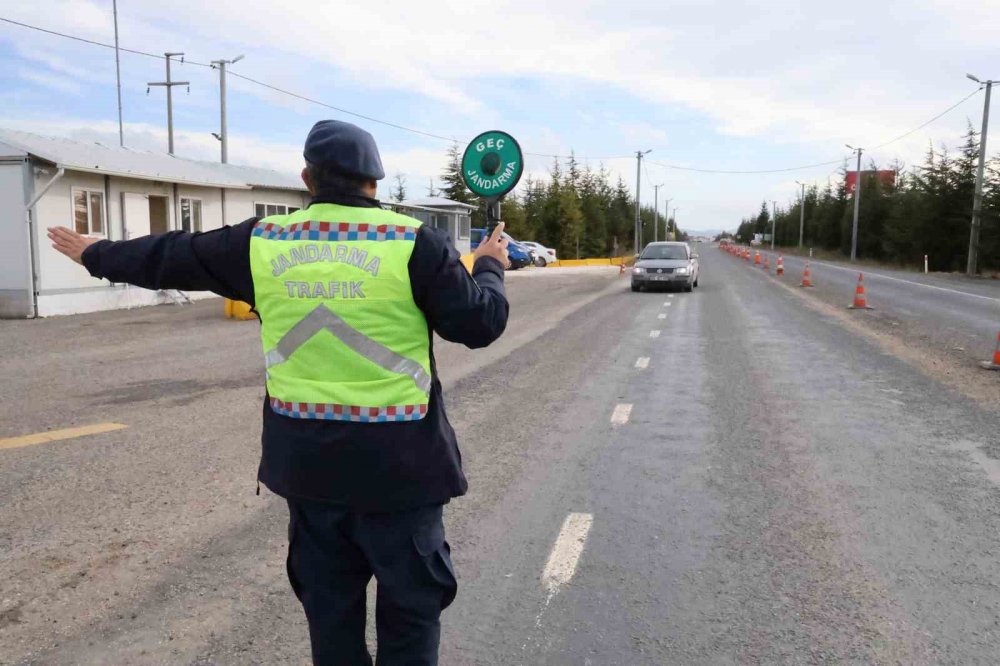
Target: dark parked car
{"x": 519, "y": 255}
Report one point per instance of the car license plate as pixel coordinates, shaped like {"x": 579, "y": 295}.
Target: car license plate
{"x": 660, "y": 277}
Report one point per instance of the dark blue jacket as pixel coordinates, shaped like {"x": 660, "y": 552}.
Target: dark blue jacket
{"x": 369, "y": 466}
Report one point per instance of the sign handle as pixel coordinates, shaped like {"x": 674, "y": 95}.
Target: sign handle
{"x": 492, "y": 214}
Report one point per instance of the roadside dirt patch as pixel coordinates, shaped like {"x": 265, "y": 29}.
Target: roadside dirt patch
{"x": 10, "y": 616}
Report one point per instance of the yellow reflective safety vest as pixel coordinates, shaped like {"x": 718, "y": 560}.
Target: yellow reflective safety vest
{"x": 343, "y": 339}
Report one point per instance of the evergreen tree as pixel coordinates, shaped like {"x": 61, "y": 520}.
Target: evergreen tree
{"x": 454, "y": 185}
{"x": 927, "y": 210}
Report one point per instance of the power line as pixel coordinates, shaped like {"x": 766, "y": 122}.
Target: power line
{"x": 819, "y": 164}
{"x": 940, "y": 115}
{"x": 241, "y": 76}
{"x": 454, "y": 140}
{"x": 290, "y": 93}
{"x": 342, "y": 110}
{"x": 727, "y": 171}
{"x": 80, "y": 39}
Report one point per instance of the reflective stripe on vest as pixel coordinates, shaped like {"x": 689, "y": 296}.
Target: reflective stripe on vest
{"x": 327, "y": 412}
{"x": 322, "y": 318}
{"x": 342, "y": 336}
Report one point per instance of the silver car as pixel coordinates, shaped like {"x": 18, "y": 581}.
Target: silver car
{"x": 669, "y": 265}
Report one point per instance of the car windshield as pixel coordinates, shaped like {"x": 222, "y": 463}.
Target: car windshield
{"x": 664, "y": 252}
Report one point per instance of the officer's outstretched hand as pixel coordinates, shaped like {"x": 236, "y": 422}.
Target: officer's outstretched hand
{"x": 495, "y": 246}
{"x": 69, "y": 242}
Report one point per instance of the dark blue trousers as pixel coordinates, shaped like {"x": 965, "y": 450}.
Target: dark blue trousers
{"x": 332, "y": 554}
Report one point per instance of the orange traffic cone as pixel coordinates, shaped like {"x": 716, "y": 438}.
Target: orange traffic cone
{"x": 807, "y": 277}
{"x": 746, "y": 254}
{"x": 756, "y": 258}
{"x": 767, "y": 264}
{"x": 780, "y": 270}
{"x": 621, "y": 268}
{"x": 995, "y": 363}
{"x": 860, "y": 300}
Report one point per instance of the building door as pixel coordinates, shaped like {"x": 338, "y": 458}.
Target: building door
{"x": 136, "y": 208}
{"x": 158, "y": 215}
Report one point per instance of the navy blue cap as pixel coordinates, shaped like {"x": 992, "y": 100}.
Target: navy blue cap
{"x": 344, "y": 147}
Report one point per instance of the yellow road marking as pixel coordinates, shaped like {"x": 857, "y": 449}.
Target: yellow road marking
{"x": 56, "y": 435}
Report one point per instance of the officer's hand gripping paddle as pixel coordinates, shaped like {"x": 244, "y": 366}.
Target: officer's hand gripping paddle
{"x": 491, "y": 167}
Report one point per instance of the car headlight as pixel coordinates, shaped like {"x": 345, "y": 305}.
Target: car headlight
{"x": 682, "y": 271}
{"x": 638, "y": 270}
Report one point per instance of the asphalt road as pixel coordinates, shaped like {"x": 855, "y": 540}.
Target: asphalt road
{"x": 949, "y": 312}
{"x": 758, "y": 482}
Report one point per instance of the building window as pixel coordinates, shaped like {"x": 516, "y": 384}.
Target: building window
{"x": 267, "y": 209}
{"x": 441, "y": 222}
{"x": 464, "y": 227}
{"x": 191, "y": 214}
{"x": 88, "y": 212}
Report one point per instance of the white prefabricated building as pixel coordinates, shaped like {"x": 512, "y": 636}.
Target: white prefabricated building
{"x": 120, "y": 193}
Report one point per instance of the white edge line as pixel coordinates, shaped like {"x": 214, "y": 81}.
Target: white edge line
{"x": 896, "y": 279}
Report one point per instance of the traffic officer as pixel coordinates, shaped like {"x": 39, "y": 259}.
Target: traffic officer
{"x": 355, "y": 436}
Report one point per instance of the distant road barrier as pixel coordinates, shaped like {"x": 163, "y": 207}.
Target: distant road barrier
{"x": 238, "y": 310}
{"x": 467, "y": 260}
{"x": 575, "y": 263}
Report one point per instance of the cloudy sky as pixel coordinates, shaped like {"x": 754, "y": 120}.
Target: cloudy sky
{"x": 722, "y": 85}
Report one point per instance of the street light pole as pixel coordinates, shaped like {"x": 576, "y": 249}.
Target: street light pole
{"x": 666, "y": 217}
{"x": 223, "y": 130}
{"x": 638, "y": 205}
{"x": 169, "y": 85}
{"x": 802, "y": 213}
{"x": 656, "y": 212}
{"x": 857, "y": 205}
{"x": 673, "y": 216}
{"x": 774, "y": 216}
{"x": 118, "y": 77}
{"x": 977, "y": 202}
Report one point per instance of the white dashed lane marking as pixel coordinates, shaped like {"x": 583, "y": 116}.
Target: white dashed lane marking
{"x": 661, "y": 316}
{"x": 565, "y": 555}
{"x": 642, "y": 363}
{"x": 563, "y": 560}
{"x": 621, "y": 414}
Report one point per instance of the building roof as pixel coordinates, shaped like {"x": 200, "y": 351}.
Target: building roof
{"x": 257, "y": 177}
{"x": 95, "y": 157}
{"x": 438, "y": 202}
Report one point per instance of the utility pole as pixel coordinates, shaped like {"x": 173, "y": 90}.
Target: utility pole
{"x": 223, "y": 131}
{"x": 857, "y": 205}
{"x": 673, "y": 234}
{"x": 977, "y": 202}
{"x": 774, "y": 217}
{"x": 169, "y": 85}
{"x": 802, "y": 213}
{"x": 638, "y": 204}
{"x": 118, "y": 77}
{"x": 666, "y": 216}
{"x": 656, "y": 211}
